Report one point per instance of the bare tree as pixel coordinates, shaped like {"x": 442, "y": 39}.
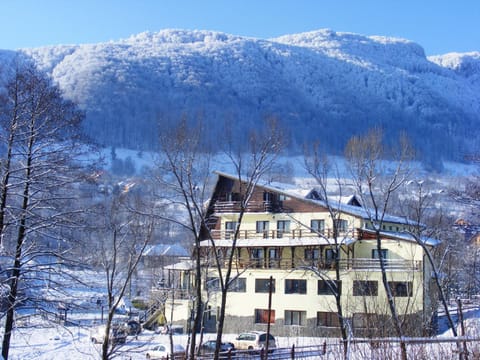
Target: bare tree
{"x": 251, "y": 163}
{"x": 123, "y": 234}
{"x": 319, "y": 167}
{"x": 41, "y": 143}
{"x": 422, "y": 234}
{"x": 376, "y": 180}
{"x": 184, "y": 177}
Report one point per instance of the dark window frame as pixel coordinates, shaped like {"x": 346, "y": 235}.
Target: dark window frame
{"x": 365, "y": 288}
{"x": 328, "y": 319}
{"x": 319, "y": 227}
{"x": 290, "y": 318}
{"x": 401, "y": 288}
{"x": 262, "y": 226}
{"x": 376, "y": 254}
{"x": 341, "y": 225}
{"x": 238, "y": 285}
{"x": 262, "y": 285}
{"x": 296, "y": 286}
{"x": 324, "y": 289}
{"x": 312, "y": 253}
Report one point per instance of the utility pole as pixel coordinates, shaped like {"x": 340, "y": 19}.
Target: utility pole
{"x": 269, "y": 315}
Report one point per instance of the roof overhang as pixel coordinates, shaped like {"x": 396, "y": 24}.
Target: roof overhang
{"x": 274, "y": 242}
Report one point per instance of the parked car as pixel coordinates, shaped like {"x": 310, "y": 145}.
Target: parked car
{"x": 208, "y": 347}
{"x": 162, "y": 351}
{"x": 118, "y": 335}
{"x": 255, "y": 340}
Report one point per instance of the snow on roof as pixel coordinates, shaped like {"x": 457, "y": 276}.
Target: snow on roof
{"x": 343, "y": 204}
{"x": 182, "y": 265}
{"x": 403, "y": 235}
{"x": 272, "y": 242}
{"x": 165, "y": 250}
{"x": 346, "y": 199}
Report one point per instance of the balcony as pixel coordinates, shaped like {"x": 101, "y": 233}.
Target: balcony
{"x": 252, "y": 206}
{"x": 359, "y": 264}
{"x": 279, "y": 234}
{"x": 163, "y": 293}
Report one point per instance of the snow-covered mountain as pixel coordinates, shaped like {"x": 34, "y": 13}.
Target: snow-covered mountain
{"x": 321, "y": 85}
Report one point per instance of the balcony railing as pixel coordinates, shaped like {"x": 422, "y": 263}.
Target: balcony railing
{"x": 251, "y": 206}
{"x": 358, "y": 264}
{"x": 162, "y": 293}
{"x": 278, "y": 234}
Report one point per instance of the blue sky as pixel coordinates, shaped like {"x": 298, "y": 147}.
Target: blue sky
{"x": 440, "y": 26}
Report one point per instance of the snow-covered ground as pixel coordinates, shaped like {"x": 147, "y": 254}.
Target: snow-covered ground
{"x": 41, "y": 340}
{"x": 36, "y": 338}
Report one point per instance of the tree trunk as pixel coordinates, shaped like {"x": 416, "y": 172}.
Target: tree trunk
{"x": 391, "y": 303}
{"x": 12, "y": 296}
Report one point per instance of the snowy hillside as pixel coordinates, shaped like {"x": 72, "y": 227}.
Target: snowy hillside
{"x": 321, "y": 85}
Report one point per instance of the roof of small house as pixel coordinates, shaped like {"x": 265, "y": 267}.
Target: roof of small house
{"x": 174, "y": 250}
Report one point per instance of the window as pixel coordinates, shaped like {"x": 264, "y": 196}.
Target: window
{"x": 365, "y": 288}
{"x": 328, "y": 287}
{"x": 232, "y": 196}
{"x": 363, "y": 321}
{"x": 282, "y": 197}
{"x": 328, "y": 319}
{"x": 263, "y": 285}
{"x": 312, "y": 254}
{"x": 342, "y": 225}
{"x": 261, "y": 316}
{"x": 273, "y": 257}
{"x": 267, "y": 196}
{"x": 376, "y": 254}
{"x": 230, "y": 227}
{"x": 262, "y": 228}
{"x": 293, "y": 317}
{"x": 401, "y": 288}
{"x": 283, "y": 226}
{"x": 213, "y": 284}
{"x": 258, "y": 255}
{"x": 238, "y": 285}
{"x": 317, "y": 226}
{"x": 295, "y": 286}
{"x": 329, "y": 257}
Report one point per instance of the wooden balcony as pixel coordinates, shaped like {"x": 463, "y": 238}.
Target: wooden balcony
{"x": 252, "y": 206}
{"x": 360, "y": 264}
{"x": 279, "y": 234}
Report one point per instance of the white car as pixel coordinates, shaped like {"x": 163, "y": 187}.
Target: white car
{"x": 118, "y": 335}
{"x": 162, "y": 351}
{"x": 255, "y": 340}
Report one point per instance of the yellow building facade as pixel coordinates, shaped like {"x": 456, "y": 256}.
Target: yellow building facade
{"x": 285, "y": 269}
